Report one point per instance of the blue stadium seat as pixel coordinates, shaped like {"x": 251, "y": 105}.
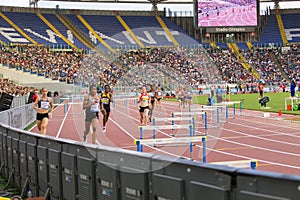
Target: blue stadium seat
{"x": 6, "y": 28}
{"x": 183, "y": 38}
{"x": 291, "y": 23}
{"x": 109, "y": 26}
{"x": 271, "y": 32}
{"x": 242, "y": 45}
{"x": 34, "y": 27}
{"x": 62, "y": 29}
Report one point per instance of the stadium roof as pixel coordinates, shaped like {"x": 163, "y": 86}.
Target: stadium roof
{"x": 151, "y": 1}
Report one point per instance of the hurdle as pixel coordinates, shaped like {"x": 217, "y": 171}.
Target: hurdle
{"x": 66, "y": 108}
{"x": 239, "y": 163}
{"x": 160, "y": 141}
{"x": 173, "y": 119}
{"x": 218, "y": 108}
{"x": 231, "y": 103}
{"x": 126, "y": 102}
{"x": 165, "y": 127}
{"x": 214, "y": 109}
{"x": 135, "y": 101}
{"x": 73, "y": 98}
{"x": 192, "y": 114}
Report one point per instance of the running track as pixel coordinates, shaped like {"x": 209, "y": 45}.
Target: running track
{"x": 274, "y": 142}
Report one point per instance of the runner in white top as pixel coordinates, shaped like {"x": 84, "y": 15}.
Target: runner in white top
{"x": 180, "y": 97}
{"x": 145, "y": 105}
{"x": 91, "y": 104}
{"x": 158, "y": 97}
{"x": 44, "y": 107}
{"x": 152, "y": 101}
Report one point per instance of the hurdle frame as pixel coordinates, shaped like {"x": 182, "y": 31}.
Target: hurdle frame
{"x": 140, "y": 142}
{"x": 253, "y": 163}
{"x": 165, "y": 127}
{"x": 192, "y": 114}
{"x": 233, "y": 103}
{"x": 173, "y": 119}
{"x": 218, "y": 109}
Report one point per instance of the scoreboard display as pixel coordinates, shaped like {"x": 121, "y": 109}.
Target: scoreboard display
{"x": 226, "y": 13}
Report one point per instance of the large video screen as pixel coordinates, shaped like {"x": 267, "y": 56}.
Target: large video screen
{"x": 225, "y": 13}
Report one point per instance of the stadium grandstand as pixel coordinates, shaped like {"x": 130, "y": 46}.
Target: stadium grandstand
{"x": 222, "y": 50}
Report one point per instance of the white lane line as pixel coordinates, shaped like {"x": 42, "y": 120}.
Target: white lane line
{"x": 273, "y": 124}
{"x": 267, "y": 130}
{"x": 242, "y": 144}
{"x": 127, "y": 133}
{"x": 51, "y": 120}
{"x": 62, "y": 123}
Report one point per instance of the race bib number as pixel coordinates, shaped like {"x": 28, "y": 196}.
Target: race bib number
{"x": 145, "y": 99}
{"x": 105, "y": 101}
{"x": 94, "y": 108}
{"x": 45, "y": 105}
{"x": 151, "y": 94}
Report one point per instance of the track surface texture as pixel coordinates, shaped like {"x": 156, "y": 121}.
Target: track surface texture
{"x": 274, "y": 141}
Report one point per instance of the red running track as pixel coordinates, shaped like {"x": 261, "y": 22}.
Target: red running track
{"x": 273, "y": 141}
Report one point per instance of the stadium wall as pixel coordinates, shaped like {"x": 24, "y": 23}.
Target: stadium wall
{"x": 286, "y": 11}
{"x": 65, "y": 169}
{"x": 79, "y": 11}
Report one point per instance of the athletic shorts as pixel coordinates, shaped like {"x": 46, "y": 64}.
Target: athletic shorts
{"x": 89, "y": 116}
{"x": 107, "y": 108}
{"x": 181, "y": 99}
{"x": 152, "y": 102}
{"x": 158, "y": 99}
{"x": 142, "y": 109}
{"x": 40, "y": 116}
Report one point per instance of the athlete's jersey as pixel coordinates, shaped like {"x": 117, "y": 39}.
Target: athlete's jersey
{"x": 106, "y": 99}
{"x": 94, "y": 107}
{"x": 159, "y": 94}
{"x": 189, "y": 93}
{"x": 152, "y": 95}
{"x": 44, "y": 104}
{"x": 180, "y": 93}
{"x": 144, "y": 99}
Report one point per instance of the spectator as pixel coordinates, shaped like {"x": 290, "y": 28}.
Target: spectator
{"x": 219, "y": 94}
{"x": 35, "y": 96}
{"x": 211, "y": 101}
{"x": 293, "y": 88}
{"x": 261, "y": 89}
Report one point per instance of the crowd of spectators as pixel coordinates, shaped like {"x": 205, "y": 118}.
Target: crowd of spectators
{"x": 10, "y": 87}
{"x": 151, "y": 66}
{"x": 97, "y": 70}
{"x": 171, "y": 62}
{"x": 230, "y": 68}
{"x": 290, "y": 61}
{"x": 265, "y": 64}
{"x": 43, "y": 62}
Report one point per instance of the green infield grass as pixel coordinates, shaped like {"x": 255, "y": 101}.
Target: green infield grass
{"x": 250, "y": 101}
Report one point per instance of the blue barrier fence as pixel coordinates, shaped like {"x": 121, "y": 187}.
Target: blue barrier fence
{"x": 64, "y": 169}
{"x": 70, "y": 170}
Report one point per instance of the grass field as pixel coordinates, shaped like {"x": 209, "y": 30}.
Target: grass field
{"x": 250, "y": 101}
